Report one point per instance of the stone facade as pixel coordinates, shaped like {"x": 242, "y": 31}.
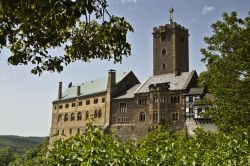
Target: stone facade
{"x": 122, "y": 104}
{"x": 170, "y": 49}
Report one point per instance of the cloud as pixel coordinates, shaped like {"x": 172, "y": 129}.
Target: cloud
{"x": 207, "y": 9}
{"x": 132, "y": 8}
{"x": 128, "y": 1}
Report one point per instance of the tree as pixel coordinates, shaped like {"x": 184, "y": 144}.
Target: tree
{"x": 93, "y": 148}
{"x": 83, "y": 28}
{"x": 6, "y": 156}
{"x": 227, "y": 58}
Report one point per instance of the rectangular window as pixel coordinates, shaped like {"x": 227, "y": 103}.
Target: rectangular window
{"x": 155, "y": 100}
{"x": 175, "y": 116}
{"x": 55, "y": 107}
{"x": 175, "y": 99}
{"x": 66, "y": 105}
{"x": 60, "y": 106}
{"x": 155, "y": 116}
{"x": 142, "y": 101}
{"x": 162, "y": 116}
{"x": 123, "y": 107}
{"x": 96, "y": 101}
{"x": 162, "y": 99}
{"x": 80, "y": 103}
{"x": 190, "y": 98}
{"x": 73, "y": 104}
{"x": 87, "y": 102}
{"x": 103, "y": 100}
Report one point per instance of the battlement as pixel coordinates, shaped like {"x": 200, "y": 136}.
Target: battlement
{"x": 164, "y": 28}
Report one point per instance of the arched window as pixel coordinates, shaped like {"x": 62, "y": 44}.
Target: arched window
{"x": 79, "y": 116}
{"x": 70, "y": 131}
{"x": 163, "y": 52}
{"x": 142, "y": 116}
{"x": 95, "y": 114}
{"x": 59, "y": 118}
{"x": 99, "y": 113}
{"x": 72, "y": 117}
{"x": 66, "y": 117}
{"x": 163, "y": 66}
{"x": 87, "y": 115}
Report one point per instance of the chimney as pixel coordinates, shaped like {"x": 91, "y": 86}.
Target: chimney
{"x": 60, "y": 91}
{"x": 78, "y": 90}
{"x": 177, "y": 72}
{"x": 112, "y": 77}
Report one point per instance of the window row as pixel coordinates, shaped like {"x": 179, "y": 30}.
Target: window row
{"x": 142, "y": 116}
{"x": 122, "y": 119}
{"x": 78, "y": 116}
{"x": 80, "y": 103}
{"x": 70, "y": 132}
{"x": 156, "y": 99}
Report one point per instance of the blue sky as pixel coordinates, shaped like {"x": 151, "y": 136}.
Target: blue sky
{"x": 25, "y": 99}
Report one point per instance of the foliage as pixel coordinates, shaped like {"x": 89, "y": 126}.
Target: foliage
{"x": 34, "y": 156}
{"x": 94, "y": 148}
{"x": 84, "y": 28}
{"x": 228, "y": 67}
{"x": 160, "y": 147}
{"x": 19, "y": 144}
{"x": 6, "y": 156}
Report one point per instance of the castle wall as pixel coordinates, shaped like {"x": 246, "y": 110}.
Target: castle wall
{"x": 63, "y": 127}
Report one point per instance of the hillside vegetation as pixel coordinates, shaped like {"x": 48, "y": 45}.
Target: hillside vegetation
{"x": 19, "y": 144}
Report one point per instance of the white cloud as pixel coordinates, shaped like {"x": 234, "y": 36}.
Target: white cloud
{"x": 132, "y": 8}
{"x": 128, "y": 1}
{"x": 207, "y": 9}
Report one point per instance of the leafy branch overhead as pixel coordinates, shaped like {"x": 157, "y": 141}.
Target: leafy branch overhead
{"x": 83, "y": 28}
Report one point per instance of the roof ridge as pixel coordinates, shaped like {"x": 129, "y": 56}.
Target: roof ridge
{"x": 142, "y": 84}
{"x": 101, "y": 78}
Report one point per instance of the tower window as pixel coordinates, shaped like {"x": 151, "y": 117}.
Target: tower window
{"x": 163, "y": 52}
{"x": 163, "y": 66}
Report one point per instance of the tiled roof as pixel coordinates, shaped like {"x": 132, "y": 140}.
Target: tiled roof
{"x": 179, "y": 82}
{"x": 91, "y": 87}
{"x": 130, "y": 93}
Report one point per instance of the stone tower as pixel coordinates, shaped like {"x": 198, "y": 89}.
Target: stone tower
{"x": 170, "y": 48}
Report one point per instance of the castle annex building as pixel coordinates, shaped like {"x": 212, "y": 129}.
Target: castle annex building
{"x": 122, "y": 103}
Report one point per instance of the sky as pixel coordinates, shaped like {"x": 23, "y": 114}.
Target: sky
{"x": 26, "y": 99}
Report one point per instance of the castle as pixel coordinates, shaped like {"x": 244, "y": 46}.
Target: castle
{"x": 122, "y": 103}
